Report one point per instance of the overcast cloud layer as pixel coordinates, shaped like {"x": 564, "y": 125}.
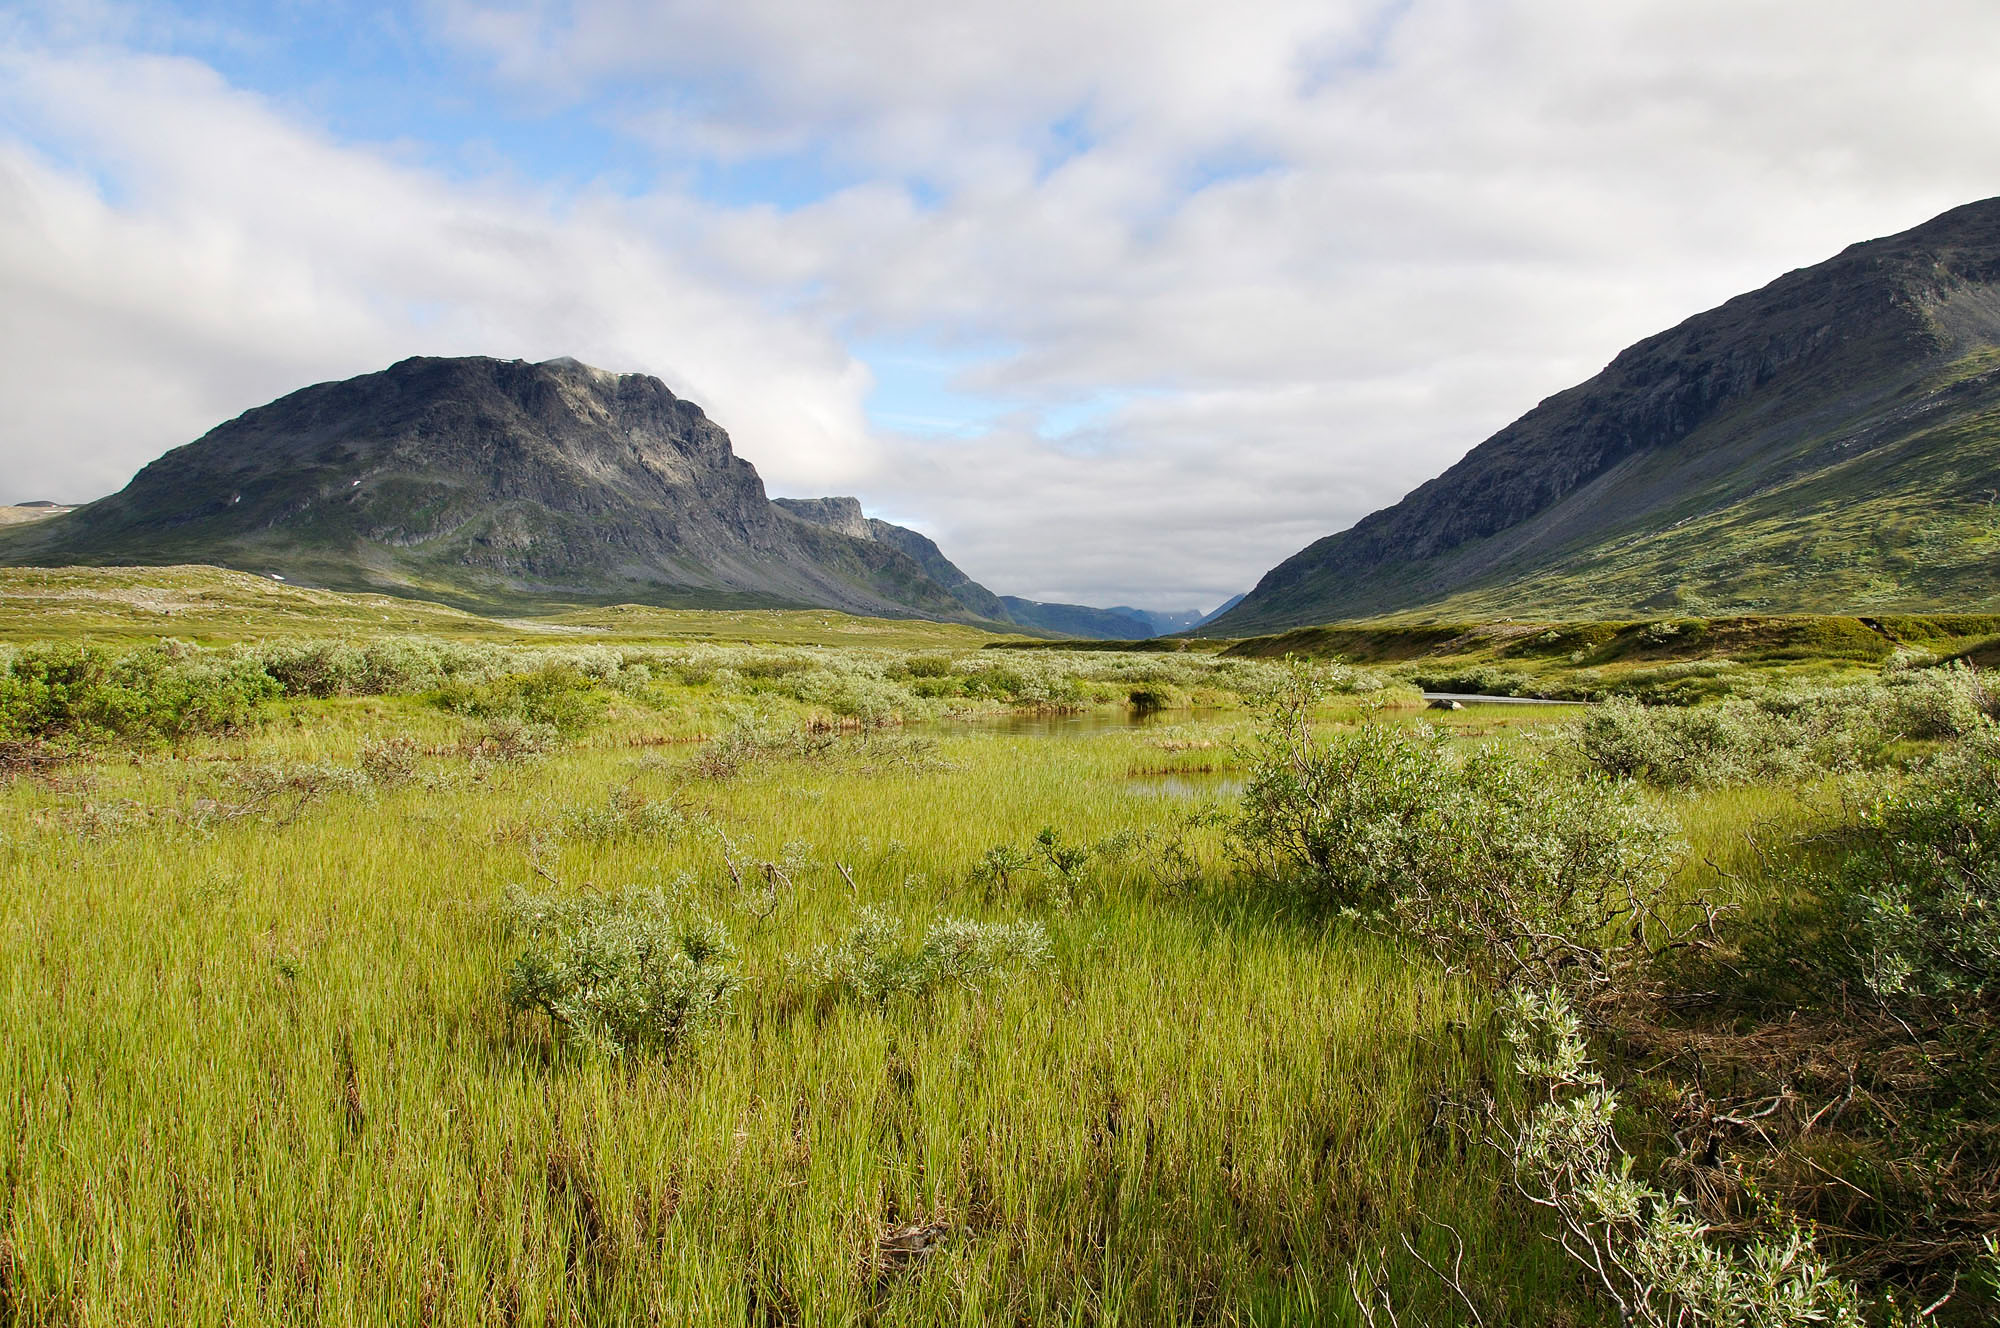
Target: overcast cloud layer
{"x": 1121, "y": 302}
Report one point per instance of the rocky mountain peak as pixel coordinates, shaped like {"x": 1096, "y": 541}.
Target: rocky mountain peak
{"x": 485, "y": 481}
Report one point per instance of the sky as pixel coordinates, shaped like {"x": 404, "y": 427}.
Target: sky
{"x": 1121, "y": 302}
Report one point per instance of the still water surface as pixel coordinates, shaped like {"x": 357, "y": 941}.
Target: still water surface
{"x": 1082, "y": 725}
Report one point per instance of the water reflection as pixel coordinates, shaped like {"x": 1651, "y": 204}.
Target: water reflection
{"x": 1192, "y": 785}
{"x": 1079, "y": 725}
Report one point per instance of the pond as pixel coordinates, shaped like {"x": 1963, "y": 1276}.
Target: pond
{"x": 1477, "y": 698}
{"x": 1192, "y": 785}
{"x": 1081, "y": 725}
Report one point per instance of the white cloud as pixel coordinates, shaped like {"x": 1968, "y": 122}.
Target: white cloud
{"x": 1419, "y": 218}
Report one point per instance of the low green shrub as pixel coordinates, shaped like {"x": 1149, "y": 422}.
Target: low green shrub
{"x": 1149, "y": 698}
{"x": 617, "y": 973}
{"x": 875, "y": 964}
{"x": 1487, "y": 680}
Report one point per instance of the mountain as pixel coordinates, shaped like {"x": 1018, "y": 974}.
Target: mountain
{"x": 39, "y": 510}
{"x": 1830, "y": 442}
{"x": 1077, "y": 620}
{"x": 489, "y": 484}
{"x": 1221, "y": 609}
{"x": 844, "y": 515}
{"x": 1161, "y": 623}
{"x": 1166, "y": 624}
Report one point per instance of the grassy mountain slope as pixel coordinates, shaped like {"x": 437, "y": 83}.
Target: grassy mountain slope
{"x": 1830, "y": 442}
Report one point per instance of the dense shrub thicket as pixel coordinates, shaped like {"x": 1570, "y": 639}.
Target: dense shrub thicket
{"x": 556, "y": 694}
{"x": 87, "y": 694}
{"x": 1549, "y": 876}
{"x": 71, "y": 694}
{"x": 1781, "y": 733}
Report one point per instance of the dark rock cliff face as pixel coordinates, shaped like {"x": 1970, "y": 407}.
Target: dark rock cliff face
{"x": 1745, "y": 388}
{"x": 487, "y": 481}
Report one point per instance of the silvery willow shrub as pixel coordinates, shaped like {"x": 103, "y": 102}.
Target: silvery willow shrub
{"x": 67, "y": 693}
{"x": 618, "y": 973}
{"x": 291, "y": 786}
{"x": 1648, "y": 1251}
{"x": 626, "y": 814}
{"x": 874, "y": 962}
{"x": 1782, "y": 732}
{"x": 1787, "y": 733}
{"x": 314, "y": 668}
{"x": 412, "y": 664}
{"x": 853, "y": 695}
{"x": 390, "y": 761}
{"x": 1920, "y": 878}
{"x": 509, "y": 741}
{"x": 1512, "y": 864}
{"x": 1945, "y": 702}
{"x": 1674, "y": 747}
{"x": 375, "y": 668}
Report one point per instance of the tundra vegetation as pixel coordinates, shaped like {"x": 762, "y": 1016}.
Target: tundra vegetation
{"x": 441, "y": 979}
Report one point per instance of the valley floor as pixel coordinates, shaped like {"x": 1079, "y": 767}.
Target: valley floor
{"x": 1009, "y": 1027}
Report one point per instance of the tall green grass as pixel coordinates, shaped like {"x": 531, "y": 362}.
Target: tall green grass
{"x": 260, "y": 1068}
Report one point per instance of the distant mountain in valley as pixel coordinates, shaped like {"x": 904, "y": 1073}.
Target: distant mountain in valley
{"x": 1220, "y": 609}
{"x": 1078, "y": 620}
{"x": 1830, "y": 442}
{"x": 844, "y": 515}
{"x": 40, "y": 509}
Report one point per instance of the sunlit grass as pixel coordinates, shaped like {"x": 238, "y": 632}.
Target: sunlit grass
{"x": 264, "y": 1072}
{"x": 260, "y": 1067}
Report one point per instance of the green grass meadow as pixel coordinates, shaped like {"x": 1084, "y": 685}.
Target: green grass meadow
{"x": 261, "y": 1071}
{"x": 260, "y": 1065}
